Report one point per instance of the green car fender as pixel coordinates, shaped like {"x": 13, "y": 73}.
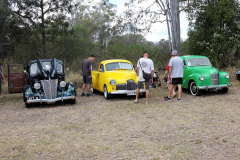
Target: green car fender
{"x": 223, "y": 79}
{"x": 193, "y": 77}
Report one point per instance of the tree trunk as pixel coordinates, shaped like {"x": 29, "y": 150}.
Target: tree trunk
{"x": 175, "y": 25}
{"x": 3, "y": 16}
{"x": 43, "y": 32}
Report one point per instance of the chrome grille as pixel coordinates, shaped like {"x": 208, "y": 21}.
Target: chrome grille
{"x": 215, "y": 79}
{"x": 131, "y": 85}
{"x": 50, "y": 88}
{"x": 121, "y": 87}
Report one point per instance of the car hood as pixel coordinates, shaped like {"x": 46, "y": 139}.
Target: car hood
{"x": 122, "y": 76}
{"x": 204, "y": 69}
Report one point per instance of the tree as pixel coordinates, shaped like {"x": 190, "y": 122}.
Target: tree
{"x": 154, "y": 13}
{"x": 3, "y": 15}
{"x": 215, "y": 32}
{"x": 40, "y": 14}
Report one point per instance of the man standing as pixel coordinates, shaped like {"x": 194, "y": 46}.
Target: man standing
{"x": 86, "y": 72}
{"x": 176, "y": 75}
{"x": 146, "y": 65}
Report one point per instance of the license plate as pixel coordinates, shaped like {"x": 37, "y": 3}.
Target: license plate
{"x": 219, "y": 88}
{"x": 130, "y": 93}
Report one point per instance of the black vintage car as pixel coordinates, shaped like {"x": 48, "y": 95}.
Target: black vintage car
{"x": 43, "y": 81}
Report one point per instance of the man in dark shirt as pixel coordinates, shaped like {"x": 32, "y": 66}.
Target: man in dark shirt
{"x": 86, "y": 72}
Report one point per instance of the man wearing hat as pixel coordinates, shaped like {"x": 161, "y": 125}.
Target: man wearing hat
{"x": 176, "y": 75}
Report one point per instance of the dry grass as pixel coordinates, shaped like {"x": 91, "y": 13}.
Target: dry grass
{"x": 205, "y": 127}
{"x": 75, "y": 78}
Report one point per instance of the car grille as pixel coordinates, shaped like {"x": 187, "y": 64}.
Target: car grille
{"x": 215, "y": 79}
{"x": 121, "y": 87}
{"x": 131, "y": 85}
{"x": 50, "y": 88}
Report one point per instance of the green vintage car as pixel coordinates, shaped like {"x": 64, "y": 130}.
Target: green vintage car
{"x": 199, "y": 75}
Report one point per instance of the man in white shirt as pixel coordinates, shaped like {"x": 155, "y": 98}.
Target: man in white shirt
{"x": 147, "y": 66}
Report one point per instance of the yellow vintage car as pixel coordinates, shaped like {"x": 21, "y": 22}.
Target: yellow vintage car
{"x": 115, "y": 76}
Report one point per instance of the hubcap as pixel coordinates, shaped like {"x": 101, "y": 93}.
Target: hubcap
{"x": 105, "y": 92}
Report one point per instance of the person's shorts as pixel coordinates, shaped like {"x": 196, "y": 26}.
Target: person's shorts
{"x": 86, "y": 79}
{"x": 147, "y": 84}
{"x": 176, "y": 81}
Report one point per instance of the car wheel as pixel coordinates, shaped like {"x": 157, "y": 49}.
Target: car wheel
{"x": 27, "y": 105}
{"x": 142, "y": 95}
{"x": 106, "y": 95}
{"x": 73, "y": 101}
{"x": 224, "y": 90}
{"x": 193, "y": 89}
{"x": 93, "y": 90}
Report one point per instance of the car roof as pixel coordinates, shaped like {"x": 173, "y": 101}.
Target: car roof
{"x": 192, "y": 56}
{"x": 115, "y": 60}
{"x": 43, "y": 60}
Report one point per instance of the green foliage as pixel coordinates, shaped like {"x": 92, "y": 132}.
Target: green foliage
{"x": 215, "y": 31}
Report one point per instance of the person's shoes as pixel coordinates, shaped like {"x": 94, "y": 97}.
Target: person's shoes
{"x": 179, "y": 100}
{"x": 83, "y": 94}
{"x": 89, "y": 95}
{"x": 167, "y": 99}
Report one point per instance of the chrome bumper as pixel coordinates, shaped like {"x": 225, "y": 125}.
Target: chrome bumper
{"x": 50, "y": 100}
{"x": 125, "y": 91}
{"x": 214, "y": 87}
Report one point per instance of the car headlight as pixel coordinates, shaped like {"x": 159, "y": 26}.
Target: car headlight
{"x": 201, "y": 78}
{"x": 112, "y": 82}
{"x": 37, "y": 85}
{"x": 62, "y": 84}
{"x": 227, "y": 76}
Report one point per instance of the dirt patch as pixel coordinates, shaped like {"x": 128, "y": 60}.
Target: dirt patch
{"x": 205, "y": 127}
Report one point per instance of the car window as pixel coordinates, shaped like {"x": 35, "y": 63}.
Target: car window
{"x": 118, "y": 65}
{"x": 101, "y": 67}
{"x": 127, "y": 66}
{"x": 34, "y": 70}
{"x": 198, "y": 62}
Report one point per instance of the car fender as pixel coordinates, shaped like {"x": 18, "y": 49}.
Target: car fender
{"x": 70, "y": 88}
{"x": 27, "y": 91}
{"x": 192, "y": 77}
{"x": 222, "y": 78}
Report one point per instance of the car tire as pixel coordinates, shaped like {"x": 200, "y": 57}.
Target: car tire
{"x": 93, "y": 90}
{"x": 224, "y": 90}
{"x": 27, "y": 105}
{"x": 106, "y": 94}
{"x": 193, "y": 89}
{"x": 73, "y": 101}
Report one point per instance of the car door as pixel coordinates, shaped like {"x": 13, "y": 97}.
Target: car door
{"x": 100, "y": 79}
{"x": 16, "y": 78}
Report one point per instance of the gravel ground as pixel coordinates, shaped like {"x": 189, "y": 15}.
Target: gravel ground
{"x": 204, "y": 127}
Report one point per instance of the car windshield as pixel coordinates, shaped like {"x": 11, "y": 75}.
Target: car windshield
{"x": 34, "y": 70}
{"x": 118, "y": 65}
{"x": 198, "y": 62}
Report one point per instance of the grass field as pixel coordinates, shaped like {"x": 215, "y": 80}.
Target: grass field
{"x": 204, "y": 127}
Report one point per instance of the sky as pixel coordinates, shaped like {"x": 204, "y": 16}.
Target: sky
{"x": 159, "y": 30}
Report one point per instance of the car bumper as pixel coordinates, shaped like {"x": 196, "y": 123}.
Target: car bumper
{"x": 125, "y": 91}
{"x": 50, "y": 100}
{"x": 218, "y": 87}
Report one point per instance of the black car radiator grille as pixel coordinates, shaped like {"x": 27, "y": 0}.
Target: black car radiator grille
{"x": 50, "y": 88}
{"x": 131, "y": 85}
{"x": 121, "y": 87}
{"x": 215, "y": 79}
